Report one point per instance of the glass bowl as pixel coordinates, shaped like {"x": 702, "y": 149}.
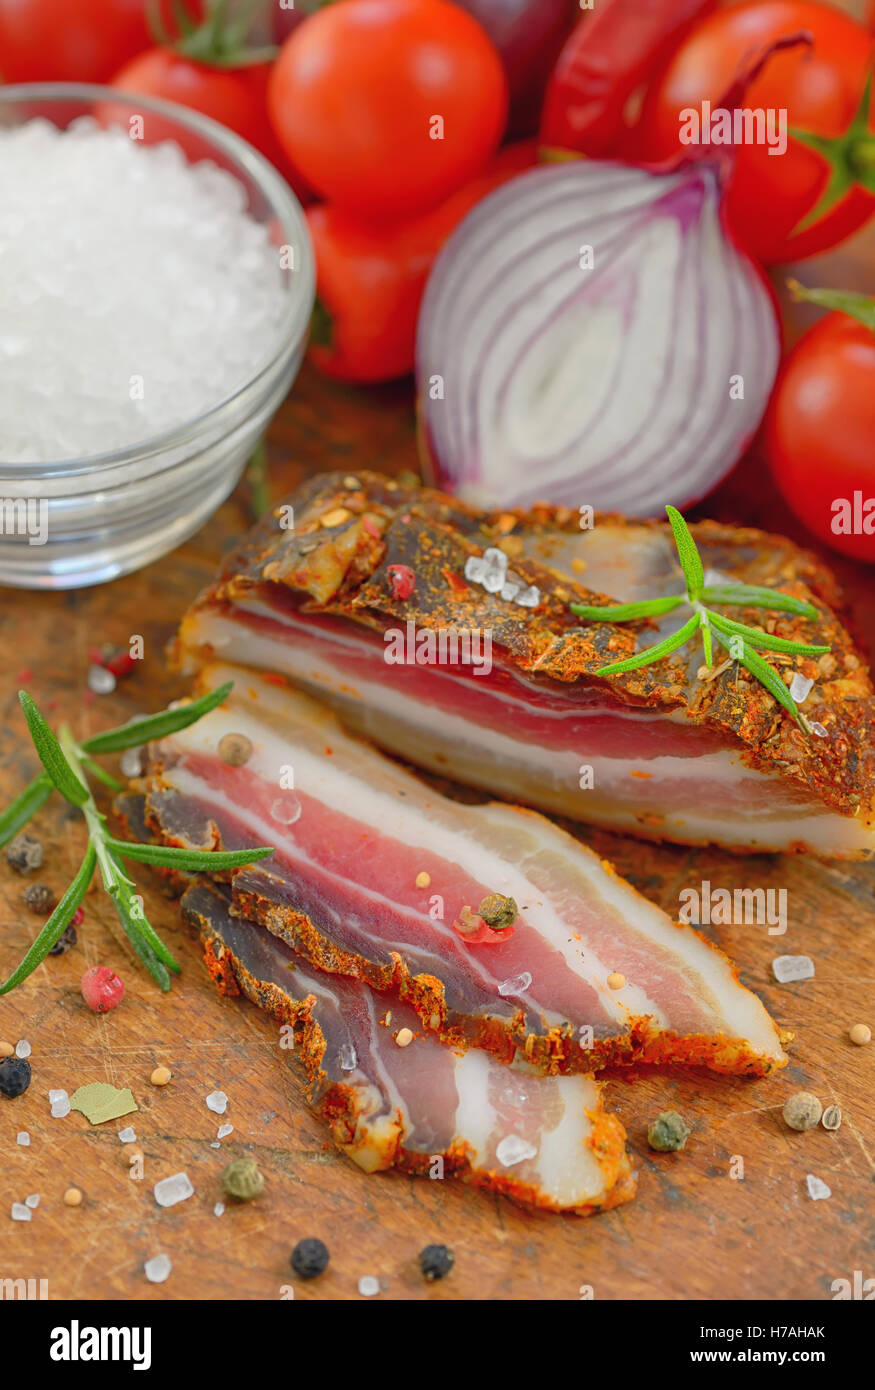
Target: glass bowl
{"x": 79, "y": 521}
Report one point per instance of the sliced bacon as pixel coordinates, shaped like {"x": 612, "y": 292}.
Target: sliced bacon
{"x": 656, "y": 752}
{"x": 423, "y": 1107}
{"x": 356, "y": 832}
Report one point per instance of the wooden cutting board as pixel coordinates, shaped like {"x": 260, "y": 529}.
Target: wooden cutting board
{"x": 729, "y": 1217}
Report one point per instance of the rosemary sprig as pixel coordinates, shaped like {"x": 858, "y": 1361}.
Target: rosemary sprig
{"x": 64, "y": 762}
{"x": 741, "y": 641}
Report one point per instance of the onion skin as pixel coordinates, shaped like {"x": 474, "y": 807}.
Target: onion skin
{"x": 644, "y": 416}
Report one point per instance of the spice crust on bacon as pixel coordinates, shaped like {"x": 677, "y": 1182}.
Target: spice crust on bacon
{"x": 370, "y": 1119}
{"x": 341, "y": 889}
{"x": 331, "y": 574}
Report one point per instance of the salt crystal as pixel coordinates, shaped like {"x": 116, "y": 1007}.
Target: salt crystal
{"x": 510, "y": 590}
{"x": 516, "y": 986}
{"x": 214, "y": 1144}
{"x": 22, "y": 1138}
{"x": 218, "y": 1208}
{"x": 513, "y": 1149}
{"x": 529, "y": 598}
{"x": 202, "y": 315}
{"x": 800, "y": 687}
{"x": 368, "y": 1286}
{"x": 127, "y": 1136}
{"x": 32, "y": 1201}
{"x": 157, "y": 1270}
{"x": 348, "y": 1057}
{"x": 131, "y": 762}
{"x": 217, "y": 1101}
{"x": 22, "y": 1048}
{"x": 176, "y": 1188}
{"x": 818, "y": 729}
{"x": 61, "y": 1107}
{"x": 790, "y": 968}
{"x": 475, "y": 569}
{"x": 494, "y": 570}
{"x": 55, "y": 1096}
{"x": 286, "y": 809}
{"x": 100, "y": 680}
{"x": 817, "y": 1188}
{"x": 223, "y": 1131}
{"x": 20, "y": 1212}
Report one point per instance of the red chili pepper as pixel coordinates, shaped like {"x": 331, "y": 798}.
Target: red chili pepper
{"x": 121, "y": 665}
{"x": 455, "y": 581}
{"x": 608, "y": 56}
{"x": 402, "y": 580}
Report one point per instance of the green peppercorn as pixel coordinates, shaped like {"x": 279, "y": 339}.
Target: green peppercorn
{"x": 667, "y": 1132}
{"x": 241, "y": 1179}
{"x": 498, "y": 912}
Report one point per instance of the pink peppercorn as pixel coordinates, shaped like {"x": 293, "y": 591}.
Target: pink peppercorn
{"x": 102, "y": 988}
{"x": 78, "y": 917}
{"x": 402, "y": 581}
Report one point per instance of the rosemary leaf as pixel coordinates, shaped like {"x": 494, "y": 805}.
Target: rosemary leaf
{"x": 102, "y": 775}
{"x": 172, "y": 858}
{"x": 707, "y": 641}
{"x": 765, "y": 674}
{"x": 57, "y": 924}
{"x": 753, "y": 596}
{"x": 141, "y": 947}
{"x": 691, "y": 560}
{"x": 655, "y": 653}
{"x": 35, "y": 795}
{"x": 129, "y": 910}
{"x": 168, "y": 721}
{"x": 626, "y": 612}
{"x": 51, "y": 755}
{"x": 766, "y": 640}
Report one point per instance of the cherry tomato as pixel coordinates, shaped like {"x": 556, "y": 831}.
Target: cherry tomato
{"x": 388, "y": 106}
{"x": 820, "y": 433}
{"x": 821, "y": 89}
{"x": 371, "y": 278}
{"x": 72, "y": 40}
{"x": 236, "y": 97}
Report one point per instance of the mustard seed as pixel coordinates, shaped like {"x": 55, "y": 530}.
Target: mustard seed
{"x": 72, "y": 1197}
{"x": 160, "y": 1076}
{"x": 860, "y": 1034}
{"x": 616, "y": 980}
{"x": 404, "y": 1037}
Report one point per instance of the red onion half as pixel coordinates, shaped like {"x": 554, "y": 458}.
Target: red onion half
{"x": 626, "y": 379}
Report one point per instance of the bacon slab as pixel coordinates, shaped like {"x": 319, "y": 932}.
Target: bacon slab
{"x": 660, "y": 752}
{"x": 372, "y": 869}
{"x": 543, "y": 1140}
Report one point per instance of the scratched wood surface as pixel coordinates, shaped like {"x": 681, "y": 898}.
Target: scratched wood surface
{"x": 695, "y": 1230}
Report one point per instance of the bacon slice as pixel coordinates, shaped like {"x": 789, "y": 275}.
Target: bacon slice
{"x": 544, "y": 1140}
{"x": 658, "y": 752}
{"x": 356, "y": 834}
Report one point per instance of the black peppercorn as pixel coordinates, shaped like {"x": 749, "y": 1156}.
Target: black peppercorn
{"x": 435, "y": 1261}
{"x": 14, "y": 1076}
{"x": 24, "y": 853}
{"x": 65, "y": 941}
{"x": 39, "y": 898}
{"x": 310, "y": 1257}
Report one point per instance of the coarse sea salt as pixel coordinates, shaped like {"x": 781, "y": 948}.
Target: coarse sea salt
{"x": 786, "y": 969}
{"x": 368, "y": 1286}
{"x": 20, "y": 1212}
{"x": 513, "y": 1149}
{"x": 137, "y": 290}
{"x": 23, "y": 1138}
{"x": 158, "y": 1269}
{"x": 22, "y": 1048}
{"x": 217, "y": 1101}
{"x": 176, "y": 1188}
{"x": 818, "y": 1190}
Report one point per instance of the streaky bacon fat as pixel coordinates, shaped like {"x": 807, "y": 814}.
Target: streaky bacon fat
{"x": 404, "y": 1107}
{"x": 356, "y": 832}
